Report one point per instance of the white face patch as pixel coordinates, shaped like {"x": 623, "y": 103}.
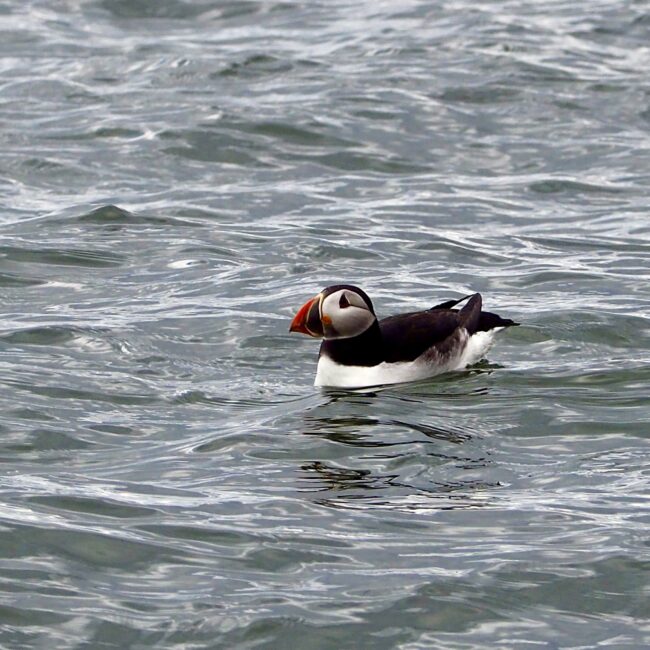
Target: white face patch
{"x": 345, "y": 314}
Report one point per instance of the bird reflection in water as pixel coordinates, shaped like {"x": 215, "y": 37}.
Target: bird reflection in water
{"x": 401, "y": 464}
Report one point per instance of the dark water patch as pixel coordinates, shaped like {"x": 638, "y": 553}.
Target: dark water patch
{"x": 306, "y": 136}
{"x": 615, "y": 377}
{"x": 104, "y": 632}
{"x": 16, "y": 280}
{"x": 351, "y": 161}
{"x": 141, "y": 9}
{"x": 633, "y": 378}
{"x": 243, "y": 403}
{"x": 60, "y": 392}
{"x": 107, "y": 214}
{"x": 92, "y": 506}
{"x": 558, "y": 279}
{"x": 38, "y": 581}
{"x": 64, "y": 257}
{"x": 570, "y": 105}
{"x": 45, "y": 92}
{"x": 82, "y": 548}
{"x": 284, "y": 560}
{"x": 595, "y": 242}
{"x": 547, "y": 72}
{"x": 226, "y": 441}
{"x": 566, "y": 186}
{"x": 80, "y": 338}
{"x": 206, "y": 534}
{"x": 584, "y": 589}
{"x": 231, "y": 9}
{"x": 52, "y": 335}
{"x": 112, "y": 215}
{"x": 103, "y": 132}
{"x": 377, "y": 115}
{"x": 222, "y": 148}
{"x": 43, "y": 165}
{"x": 26, "y": 413}
{"x": 262, "y": 66}
{"x": 211, "y": 252}
{"x": 599, "y": 327}
{"x": 203, "y": 215}
{"x": 39, "y": 442}
{"x": 30, "y": 621}
{"x": 530, "y": 334}
{"x": 606, "y": 88}
{"x": 331, "y": 251}
{"x": 261, "y": 342}
{"x": 458, "y": 247}
{"x": 491, "y": 94}
{"x": 113, "y": 429}
{"x": 200, "y": 397}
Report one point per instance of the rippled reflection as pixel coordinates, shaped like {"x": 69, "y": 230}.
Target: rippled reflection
{"x": 390, "y": 462}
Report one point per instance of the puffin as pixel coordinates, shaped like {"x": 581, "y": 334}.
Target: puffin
{"x": 360, "y": 351}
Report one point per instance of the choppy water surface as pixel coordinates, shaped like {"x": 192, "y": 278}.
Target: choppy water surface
{"x": 176, "y": 178}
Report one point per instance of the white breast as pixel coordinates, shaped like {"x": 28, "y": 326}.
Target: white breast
{"x": 471, "y": 350}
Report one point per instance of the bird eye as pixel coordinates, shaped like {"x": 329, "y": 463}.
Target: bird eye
{"x": 343, "y": 301}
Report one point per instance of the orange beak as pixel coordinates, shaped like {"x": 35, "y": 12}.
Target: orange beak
{"x": 303, "y": 317}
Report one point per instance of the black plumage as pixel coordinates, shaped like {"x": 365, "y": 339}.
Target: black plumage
{"x": 437, "y": 332}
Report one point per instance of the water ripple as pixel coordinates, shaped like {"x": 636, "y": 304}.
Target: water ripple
{"x": 177, "y": 179}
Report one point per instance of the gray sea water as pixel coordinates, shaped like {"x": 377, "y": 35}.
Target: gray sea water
{"x": 177, "y": 178}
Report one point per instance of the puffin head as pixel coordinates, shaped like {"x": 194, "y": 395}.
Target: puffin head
{"x": 341, "y": 311}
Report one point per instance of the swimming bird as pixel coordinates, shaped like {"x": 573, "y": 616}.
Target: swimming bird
{"x": 358, "y": 350}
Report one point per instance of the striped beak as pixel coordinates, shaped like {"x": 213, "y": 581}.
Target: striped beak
{"x": 307, "y": 320}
